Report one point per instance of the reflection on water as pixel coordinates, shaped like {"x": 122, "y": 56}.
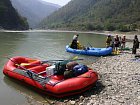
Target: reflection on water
{"x": 42, "y": 45}
{"x": 24, "y": 92}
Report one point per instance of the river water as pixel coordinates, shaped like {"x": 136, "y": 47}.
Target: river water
{"x": 41, "y": 45}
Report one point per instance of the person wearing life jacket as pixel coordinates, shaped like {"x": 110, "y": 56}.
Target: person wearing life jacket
{"x": 123, "y": 41}
{"x": 116, "y": 42}
{"x": 108, "y": 41}
{"x": 79, "y": 46}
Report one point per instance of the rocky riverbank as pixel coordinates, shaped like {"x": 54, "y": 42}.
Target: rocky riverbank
{"x": 118, "y": 84}
{"x": 121, "y": 77}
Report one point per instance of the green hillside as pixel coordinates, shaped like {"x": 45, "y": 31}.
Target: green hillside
{"x": 9, "y": 18}
{"x": 123, "y": 15}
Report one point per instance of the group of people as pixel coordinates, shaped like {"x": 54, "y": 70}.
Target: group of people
{"x": 116, "y": 43}
{"x": 119, "y": 43}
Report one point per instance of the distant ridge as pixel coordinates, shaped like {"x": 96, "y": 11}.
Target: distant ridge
{"x": 34, "y": 10}
{"x": 123, "y": 15}
{"x": 10, "y": 19}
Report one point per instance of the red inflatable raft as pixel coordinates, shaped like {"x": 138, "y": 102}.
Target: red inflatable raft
{"x": 32, "y": 74}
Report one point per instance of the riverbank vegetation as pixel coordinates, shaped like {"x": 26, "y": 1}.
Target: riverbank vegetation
{"x": 122, "y": 15}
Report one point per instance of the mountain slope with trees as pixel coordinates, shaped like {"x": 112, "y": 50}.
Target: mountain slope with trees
{"x": 120, "y": 15}
{"x": 34, "y": 10}
{"x": 9, "y": 18}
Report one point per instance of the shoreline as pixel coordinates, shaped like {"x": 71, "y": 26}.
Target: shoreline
{"x": 118, "y": 83}
{"x": 129, "y": 35}
{"x": 94, "y": 32}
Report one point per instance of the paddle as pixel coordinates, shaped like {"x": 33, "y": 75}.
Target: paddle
{"x": 15, "y": 63}
{"x": 29, "y": 72}
{"x": 89, "y": 44}
{"x": 71, "y": 59}
{"x": 50, "y": 61}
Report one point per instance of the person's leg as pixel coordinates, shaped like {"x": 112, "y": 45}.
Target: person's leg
{"x": 124, "y": 45}
{"x": 134, "y": 50}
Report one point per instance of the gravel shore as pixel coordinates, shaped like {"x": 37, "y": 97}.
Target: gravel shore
{"x": 121, "y": 77}
{"x": 118, "y": 84}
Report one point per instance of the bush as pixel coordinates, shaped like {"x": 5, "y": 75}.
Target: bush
{"x": 124, "y": 28}
{"x": 109, "y": 27}
{"x": 90, "y": 27}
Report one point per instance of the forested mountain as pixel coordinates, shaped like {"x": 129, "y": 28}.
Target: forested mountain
{"x": 122, "y": 15}
{"x": 9, "y": 18}
{"x": 34, "y": 10}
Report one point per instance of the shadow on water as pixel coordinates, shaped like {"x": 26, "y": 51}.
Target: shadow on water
{"x": 31, "y": 94}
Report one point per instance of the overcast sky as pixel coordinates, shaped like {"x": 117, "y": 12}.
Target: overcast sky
{"x": 59, "y": 2}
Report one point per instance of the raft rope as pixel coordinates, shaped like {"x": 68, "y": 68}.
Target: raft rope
{"x": 29, "y": 73}
{"x": 42, "y": 80}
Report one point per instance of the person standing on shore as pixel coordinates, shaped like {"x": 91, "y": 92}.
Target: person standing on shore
{"x": 135, "y": 44}
{"x": 108, "y": 41}
{"x": 123, "y": 41}
{"x": 120, "y": 42}
{"x": 116, "y": 42}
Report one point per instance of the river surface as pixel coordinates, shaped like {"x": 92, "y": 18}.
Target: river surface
{"x": 41, "y": 45}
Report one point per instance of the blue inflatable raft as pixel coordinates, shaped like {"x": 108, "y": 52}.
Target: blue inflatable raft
{"x": 91, "y": 51}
